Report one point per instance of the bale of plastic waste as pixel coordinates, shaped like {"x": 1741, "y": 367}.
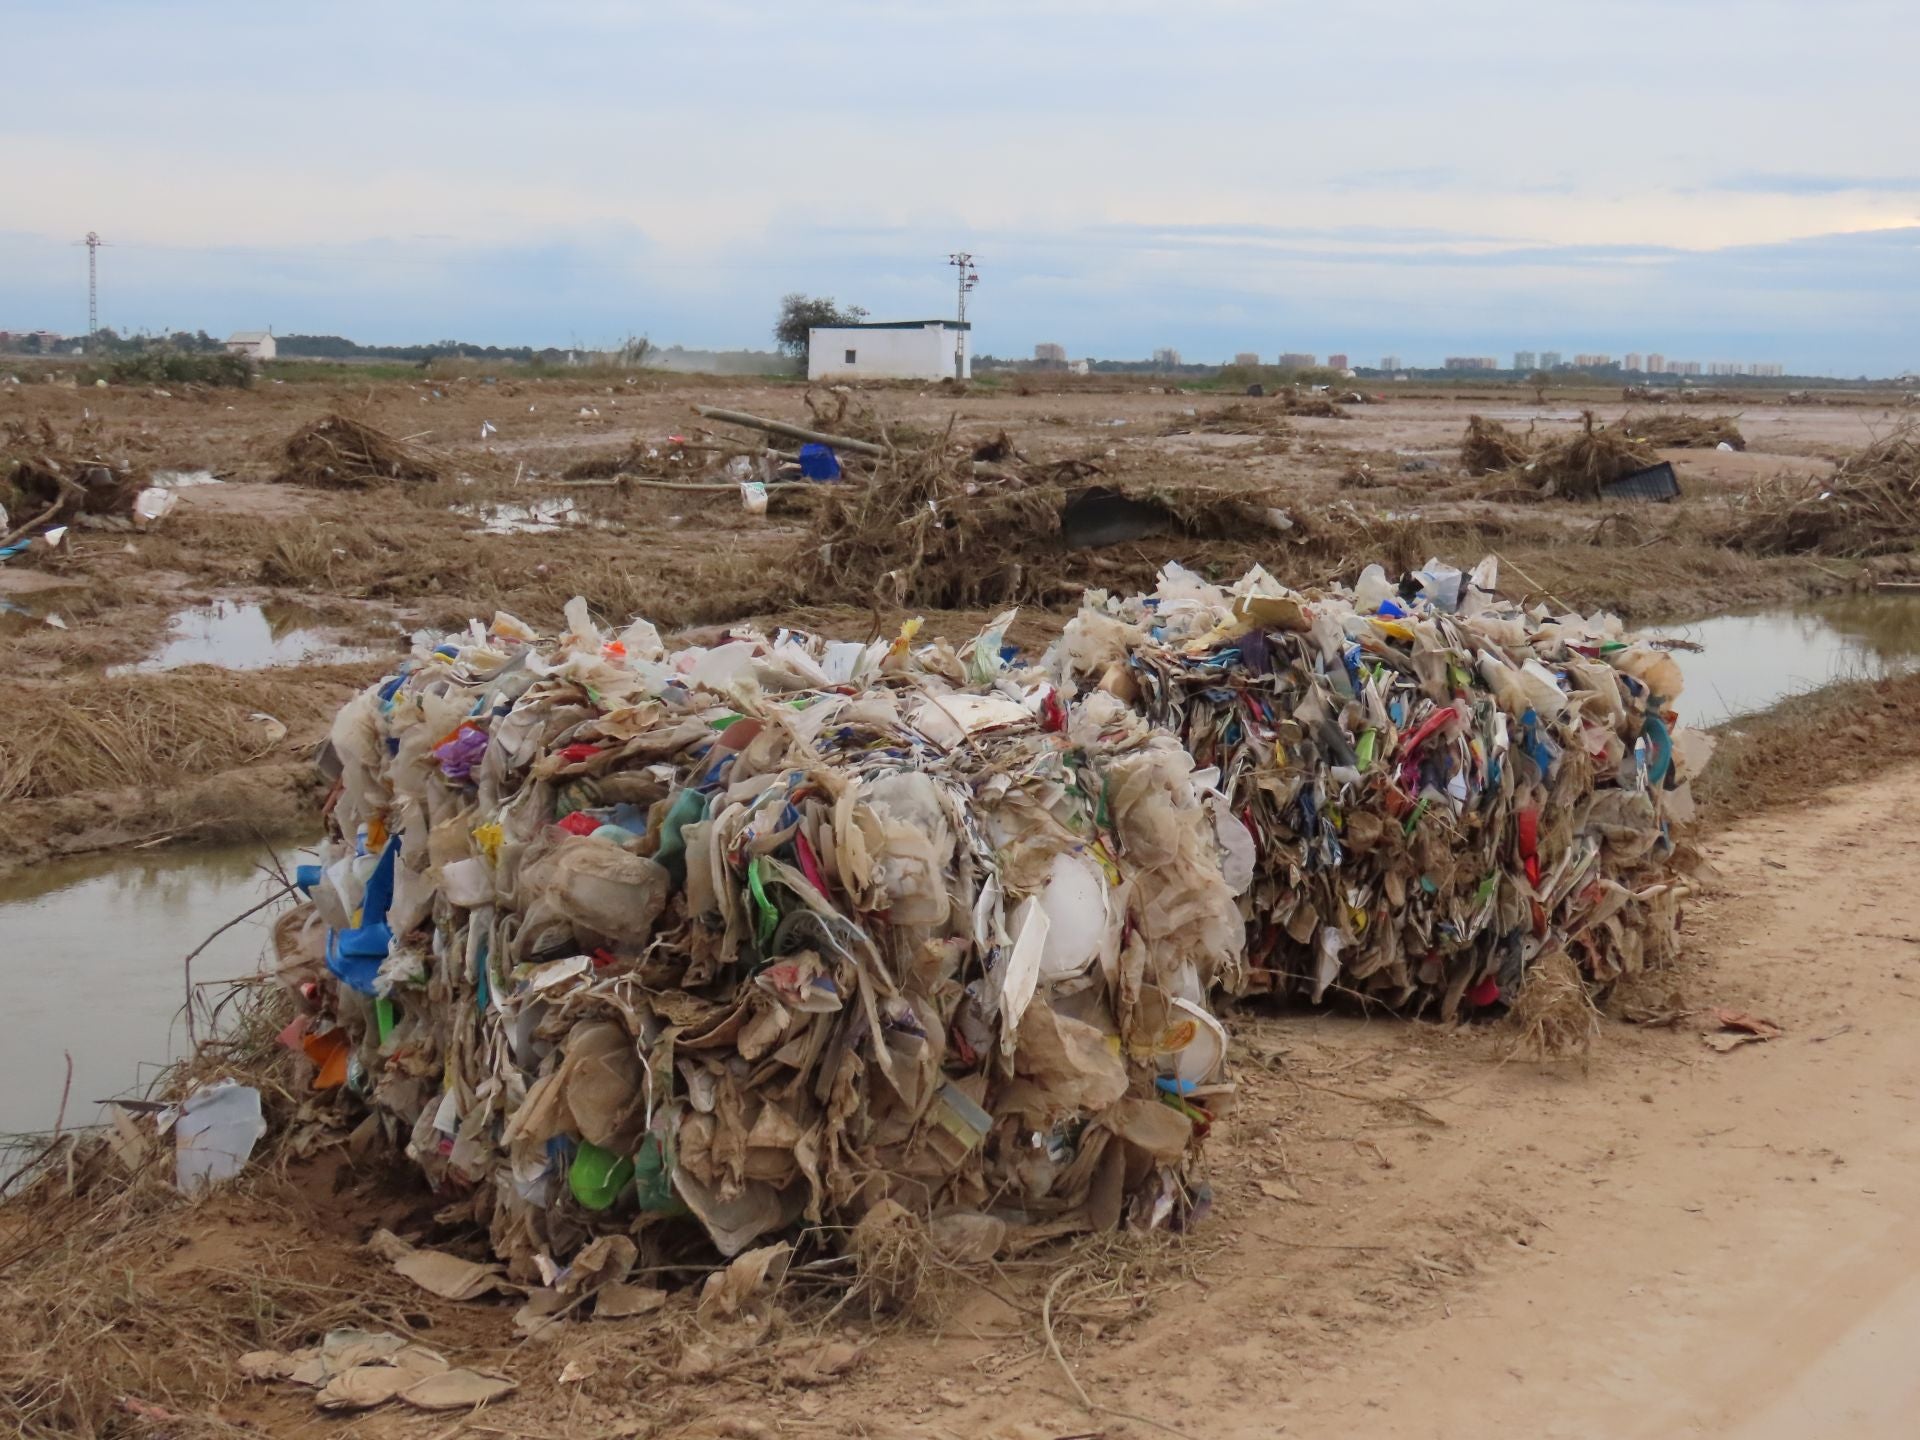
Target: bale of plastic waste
{"x": 1436, "y": 786}
{"x": 705, "y": 945}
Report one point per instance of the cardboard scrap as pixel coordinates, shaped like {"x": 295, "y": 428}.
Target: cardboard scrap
{"x": 358, "y": 1370}
{"x": 1738, "y": 1028}
{"x": 435, "y": 1271}
{"x": 756, "y": 1273}
{"x": 618, "y": 1300}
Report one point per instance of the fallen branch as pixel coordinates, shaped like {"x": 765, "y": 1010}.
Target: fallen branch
{"x": 619, "y": 482}
{"x": 792, "y": 432}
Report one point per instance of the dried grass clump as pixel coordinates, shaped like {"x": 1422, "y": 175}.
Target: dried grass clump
{"x": 1554, "y": 1015}
{"x": 1683, "y": 432}
{"x": 338, "y": 453}
{"x": 1309, "y": 404}
{"x": 128, "y": 730}
{"x": 1490, "y": 447}
{"x": 893, "y": 1261}
{"x": 1268, "y": 418}
{"x": 1870, "y": 505}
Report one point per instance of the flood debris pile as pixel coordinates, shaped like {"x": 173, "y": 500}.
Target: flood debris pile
{"x": 1489, "y": 447}
{"x": 683, "y": 949}
{"x": 1869, "y": 505}
{"x": 1579, "y": 466}
{"x": 336, "y": 452}
{"x": 1267, "y": 418}
{"x": 1439, "y": 789}
{"x": 936, "y": 527}
{"x": 1684, "y": 432}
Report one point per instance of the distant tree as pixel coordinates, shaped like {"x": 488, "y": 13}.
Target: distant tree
{"x": 636, "y": 351}
{"x": 1539, "y": 380}
{"x": 801, "y": 313}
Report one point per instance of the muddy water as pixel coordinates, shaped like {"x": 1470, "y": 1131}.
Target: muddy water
{"x": 90, "y": 956}
{"x": 1754, "y": 661}
{"x": 239, "y": 636}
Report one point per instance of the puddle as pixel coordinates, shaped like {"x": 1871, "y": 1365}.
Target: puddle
{"x": 1754, "y": 661}
{"x": 239, "y": 636}
{"x": 1509, "y": 417}
{"x": 91, "y": 952}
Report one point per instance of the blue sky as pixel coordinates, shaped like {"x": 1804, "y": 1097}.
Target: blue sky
{"x": 1713, "y": 179}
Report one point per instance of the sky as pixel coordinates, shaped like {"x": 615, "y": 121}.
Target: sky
{"x": 1710, "y": 179}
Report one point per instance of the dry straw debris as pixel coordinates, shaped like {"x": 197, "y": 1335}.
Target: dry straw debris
{"x": 1683, "y": 432}
{"x": 1869, "y": 505}
{"x": 1572, "y": 467}
{"x": 339, "y": 453}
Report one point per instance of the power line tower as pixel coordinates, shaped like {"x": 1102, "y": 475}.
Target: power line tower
{"x": 969, "y": 277}
{"x": 94, "y": 242}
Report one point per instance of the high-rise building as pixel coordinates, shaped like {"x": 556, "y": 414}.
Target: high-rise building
{"x": 1683, "y": 367}
{"x": 1050, "y": 354}
{"x": 1592, "y": 362}
{"x": 1549, "y": 359}
{"x": 1471, "y": 362}
{"x": 1166, "y": 357}
{"x": 1634, "y": 363}
{"x": 1295, "y": 360}
{"x": 1656, "y": 364}
{"x": 1389, "y": 362}
{"x": 1525, "y": 360}
{"x": 1767, "y": 368}
{"x": 1246, "y": 357}
{"x": 1337, "y": 362}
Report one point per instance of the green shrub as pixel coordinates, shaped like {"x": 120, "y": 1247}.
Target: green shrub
{"x": 174, "y": 367}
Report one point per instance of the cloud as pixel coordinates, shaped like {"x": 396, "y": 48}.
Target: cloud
{"x": 1129, "y": 174}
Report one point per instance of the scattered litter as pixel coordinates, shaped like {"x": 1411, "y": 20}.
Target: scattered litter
{"x": 153, "y": 505}
{"x": 359, "y": 1370}
{"x": 214, "y": 1132}
{"x": 1737, "y": 1028}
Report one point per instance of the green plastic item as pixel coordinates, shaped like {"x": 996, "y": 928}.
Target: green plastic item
{"x": 653, "y": 1179}
{"x": 1364, "y": 751}
{"x": 597, "y": 1176}
{"x": 769, "y": 914}
{"x": 689, "y": 807}
{"x": 383, "y": 1013}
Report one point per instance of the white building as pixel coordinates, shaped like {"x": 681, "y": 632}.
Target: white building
{"x": 890, "y": 350}
{"x": 256, "y": 345}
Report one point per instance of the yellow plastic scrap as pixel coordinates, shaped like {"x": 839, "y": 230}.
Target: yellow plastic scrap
{"x": 487, "y": 840}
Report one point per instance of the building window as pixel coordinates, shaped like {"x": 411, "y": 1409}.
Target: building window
{"x": 850, "y": 356}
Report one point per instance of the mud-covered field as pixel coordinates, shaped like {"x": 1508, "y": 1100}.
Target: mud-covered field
{"x": 150, "y": 673}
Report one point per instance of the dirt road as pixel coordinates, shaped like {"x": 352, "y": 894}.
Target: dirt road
{"x": 1678, "y": 1243}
